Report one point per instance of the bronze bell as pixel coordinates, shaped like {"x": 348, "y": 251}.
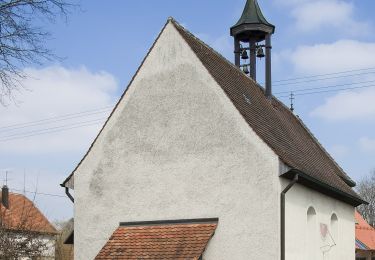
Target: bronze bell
{"x": 244, "y": 55}
{"x": 246, "y": 69}
{"x": 260, "y": 53}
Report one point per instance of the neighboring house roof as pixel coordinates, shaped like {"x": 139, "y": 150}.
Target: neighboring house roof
{"x": 364, "y": 234}
{"x": 175, "y": 240}
{"x": 23, "y": 215}
{"x": 274, "y": 123}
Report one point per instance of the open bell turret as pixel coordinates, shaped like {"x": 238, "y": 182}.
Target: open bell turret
{"x": 251, "y": 30}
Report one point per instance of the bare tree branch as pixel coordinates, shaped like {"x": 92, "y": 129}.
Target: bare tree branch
{"x": 22, "y": 42}
{"x": 366, "y": 188}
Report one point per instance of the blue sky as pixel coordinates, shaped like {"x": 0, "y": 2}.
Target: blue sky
{"x": 104, "y": 43}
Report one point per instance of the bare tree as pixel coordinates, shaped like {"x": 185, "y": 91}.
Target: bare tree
{"x": 366, "y": 188}
{"x": 18, "y": 245}
{"x": 22, "y": 41}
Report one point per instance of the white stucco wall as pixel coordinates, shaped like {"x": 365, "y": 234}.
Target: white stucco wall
{"x": 300, "y": 242}
{"x": 176, "y": 148}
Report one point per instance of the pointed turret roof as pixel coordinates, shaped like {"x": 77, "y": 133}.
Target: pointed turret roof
{"x": 252, "y": 15}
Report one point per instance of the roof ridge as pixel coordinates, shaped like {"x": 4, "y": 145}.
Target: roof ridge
{"x": 171, "y": 222}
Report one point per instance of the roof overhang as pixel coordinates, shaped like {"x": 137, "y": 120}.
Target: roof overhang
{"x": 326, "y": 189}
{"x": 247, "y": 30}
{"x": 349, "y": 181}
{"x": 68, "y": 182}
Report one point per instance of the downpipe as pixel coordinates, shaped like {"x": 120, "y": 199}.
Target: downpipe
{"x": 68, "y": 194}
{"x": 282, "y": 215}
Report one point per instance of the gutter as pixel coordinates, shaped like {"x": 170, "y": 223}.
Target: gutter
{"x": 282, "y": 215}
{"x": 315, "y": 184}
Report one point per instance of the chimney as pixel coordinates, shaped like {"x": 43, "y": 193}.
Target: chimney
{"x": 5, "y": 196}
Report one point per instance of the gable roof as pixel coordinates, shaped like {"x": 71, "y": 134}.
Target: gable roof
{"x": 364, "y": 234}
{"x": 23, "y": 215}
{"x": 185, "y": 239}
{"x": 274, "y": 123}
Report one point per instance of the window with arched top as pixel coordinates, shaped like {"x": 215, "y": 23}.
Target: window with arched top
{"x": 335, "y": 231}
{"x": 311, "y": 233}
{"x": 311, "y": 213}
{"x": 335, "y": 235}
{"x": 334, "y": 226}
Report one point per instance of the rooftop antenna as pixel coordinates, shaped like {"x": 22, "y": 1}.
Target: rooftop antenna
{"x": 292, "y": 98}
{"x": 6, "y": 179}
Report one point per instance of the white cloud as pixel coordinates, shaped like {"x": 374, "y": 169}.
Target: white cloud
{"x": 367, "y": 144}
{"x": 51, "y": 92}
{"x": 315, "y": 15}
{"x": 337, "y": 56}
{"x": 350, "y": 105}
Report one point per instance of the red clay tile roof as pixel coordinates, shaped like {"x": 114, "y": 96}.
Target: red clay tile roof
{"x": 24, "y": 215}
{"x": 364, "y": 232}
{"x": 159, "y": 241}
{"x": 270, "y": 119}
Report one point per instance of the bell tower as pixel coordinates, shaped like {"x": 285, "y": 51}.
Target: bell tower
{"x": 252, "y": 39}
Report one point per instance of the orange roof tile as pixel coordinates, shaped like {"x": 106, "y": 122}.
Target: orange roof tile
{"x": 171, "y": 240}
{"x": 364, "y": 232}
{"x": 24, "y": 215}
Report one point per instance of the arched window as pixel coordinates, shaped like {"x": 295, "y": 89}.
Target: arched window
{"x": 334, "y": 227}
{"x": 311, "y": 236}
{"x": 311, "y": 213}
{"x": 334, "y": 232}
{"x": 335, "y": 235}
